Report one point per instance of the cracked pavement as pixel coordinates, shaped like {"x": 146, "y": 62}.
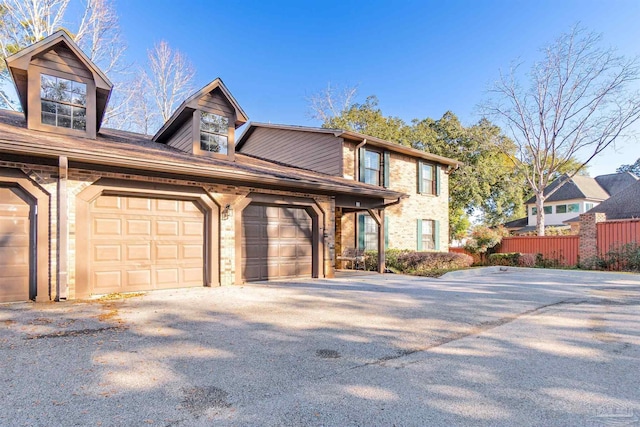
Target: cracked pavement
{"x": 521, "y": 347}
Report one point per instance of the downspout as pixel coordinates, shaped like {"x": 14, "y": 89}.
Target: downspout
{"x": 63, "y": 230}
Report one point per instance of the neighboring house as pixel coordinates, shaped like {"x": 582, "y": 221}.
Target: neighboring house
{"x": 86, "y": 210}
{"x": 420, "y": 221}
{"x": 576, "y": 195}
{"x": 624, "y": 204}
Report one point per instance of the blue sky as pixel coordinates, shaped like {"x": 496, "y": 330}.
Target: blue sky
{"x": 419, "y": 58}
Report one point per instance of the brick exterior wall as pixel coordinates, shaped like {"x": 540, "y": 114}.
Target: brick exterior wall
{"x": 78, "y": 180}
{"x": 588, "y": 245}
{"x": 403, "y": 218}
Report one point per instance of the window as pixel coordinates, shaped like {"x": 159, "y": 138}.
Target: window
{"x": 427, "y": 178}
{"x": 573, "y": 207}
{"x": 588, "y": 206}
{"x": 63, "y": 102}
{"x": 547, "y": 210}
{"x": 371, "y": 167}
{"x": 368, "y": 229}
{"x": 428, "y": 235}
{"x": 561, "y": 209}
{"x": 214, "y": 131}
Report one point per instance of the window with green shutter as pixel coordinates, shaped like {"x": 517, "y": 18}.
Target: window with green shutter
{"x": 428, "y": 231}
{"x": 428, "y": 182}
{"x": 367, "y": 233}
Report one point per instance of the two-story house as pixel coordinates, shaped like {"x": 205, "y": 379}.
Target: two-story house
{"x": 420, "y": 221}
{"x": 86, "y": 210}
{"x": 576, "y": 195}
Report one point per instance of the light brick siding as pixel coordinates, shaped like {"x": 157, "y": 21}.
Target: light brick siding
{"x": 78, "y": 180}
{"x": 403, "y": 218}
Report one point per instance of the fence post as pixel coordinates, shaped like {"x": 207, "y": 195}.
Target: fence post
{"x": 588, "y": 245}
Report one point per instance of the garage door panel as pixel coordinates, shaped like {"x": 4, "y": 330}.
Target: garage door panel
{"x": 167, "y": 228}
{"x": 147, "y": 244}
{"x": 110, "y": 281}
{"x": 276, "y": 242}
{"x": 107, "y": 227}
{"x": 139, "y": 252}
{"x": 138, "y": 204}
{"x": 108, "y": 253}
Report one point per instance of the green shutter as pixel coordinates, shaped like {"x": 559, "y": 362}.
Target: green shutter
{"x": 436, "y": 234}
{"x": 361, "y": 232}
{"x": 419, "y": 235}
{"x": 361, "y": 164}
{"x": 420, "y": 189}
{"x": 386, "y": 231}
{"x": 385, "y": 168}
{"x": 437, "y": 172}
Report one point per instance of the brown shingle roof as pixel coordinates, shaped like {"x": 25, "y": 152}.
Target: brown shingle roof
{"x": 577, "y": 187}
{"x": 135, "y": 151}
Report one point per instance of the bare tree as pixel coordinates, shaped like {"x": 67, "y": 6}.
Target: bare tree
{"x": 169, "y": 78}
{"x": 37, "y": 18}
{"x": 331, "y": 102}
{"x": 99, "y": 36}
{"x": 578, "y": 100}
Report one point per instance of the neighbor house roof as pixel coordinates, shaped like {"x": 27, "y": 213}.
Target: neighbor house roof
{"x": 624, "y": 204}
{"x": 517, "y": 223}
{"x": 350, "y": 135}
{"x": 615, "y": 182}
{"x": 127, "y": 150}
{"x": 577, "y": 187}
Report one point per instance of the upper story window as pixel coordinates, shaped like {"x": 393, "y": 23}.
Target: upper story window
{"x": 427, "y": 178}
{"x": 372, "y": 163}
{"x": 63, "y": 102}
{"x": 588, "y": 206}
{"x": 547, "y": 210}
{"x": 214, "y": 130}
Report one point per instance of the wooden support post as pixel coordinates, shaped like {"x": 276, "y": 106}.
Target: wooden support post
{"x": 63, "y": 230}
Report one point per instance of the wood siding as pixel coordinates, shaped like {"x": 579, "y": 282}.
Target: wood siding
{"x": 614, "y": 234}
{"x": 62, "y": 60}
{"x": 214, "y": 102}
{"x": 183, "y": 138}
{"x": 309, "y": 150}
{"x": 564, "y": 249}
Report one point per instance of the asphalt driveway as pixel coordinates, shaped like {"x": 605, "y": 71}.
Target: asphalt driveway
{"x": 521, "y": 347}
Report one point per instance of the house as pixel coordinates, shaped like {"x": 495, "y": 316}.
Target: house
{"x": 419, "y": 221}
{"x": 86, "y": 210}
{"x": 624, "y": 204}
{"x": 576, "y": 195}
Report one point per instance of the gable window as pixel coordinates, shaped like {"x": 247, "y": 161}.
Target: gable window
{"x": 428, "y": 179}
{"x": 63, "y": 102}
{"x": 214, "y": 131}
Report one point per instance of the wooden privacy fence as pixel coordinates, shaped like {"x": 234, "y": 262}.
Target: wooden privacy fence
{"x": 614, "y": 234}
{"x": 563, "y": 249}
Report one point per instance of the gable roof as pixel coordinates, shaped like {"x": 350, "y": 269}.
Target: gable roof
{"x": 577, "y": 187}
{"x": 18, "y": 63}
{"x": 615, "y": 182}
{"x": 131, "y": 151}
{"x": 622, "y": 205}
{"x": 350, "y": 135}
{"x": 189, "y": 105}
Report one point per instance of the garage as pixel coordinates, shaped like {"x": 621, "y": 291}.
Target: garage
{"x": 277, "y": 242}
{"x": 15, "y": 249}
{"x": 138, "y": 243}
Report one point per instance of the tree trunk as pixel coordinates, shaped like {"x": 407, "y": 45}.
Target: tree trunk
{"x": 540, "y": 214}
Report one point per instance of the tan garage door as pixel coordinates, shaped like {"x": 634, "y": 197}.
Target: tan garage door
{"x": 15, "y": 238}
{"x": 139, "y": 243}
{"x": 276, "y": 243}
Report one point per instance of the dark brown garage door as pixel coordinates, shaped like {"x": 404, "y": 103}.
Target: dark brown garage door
{"x": 140, "y": 243}
{"x": 15, "y": 238}
{"x": 276, "y": 243}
